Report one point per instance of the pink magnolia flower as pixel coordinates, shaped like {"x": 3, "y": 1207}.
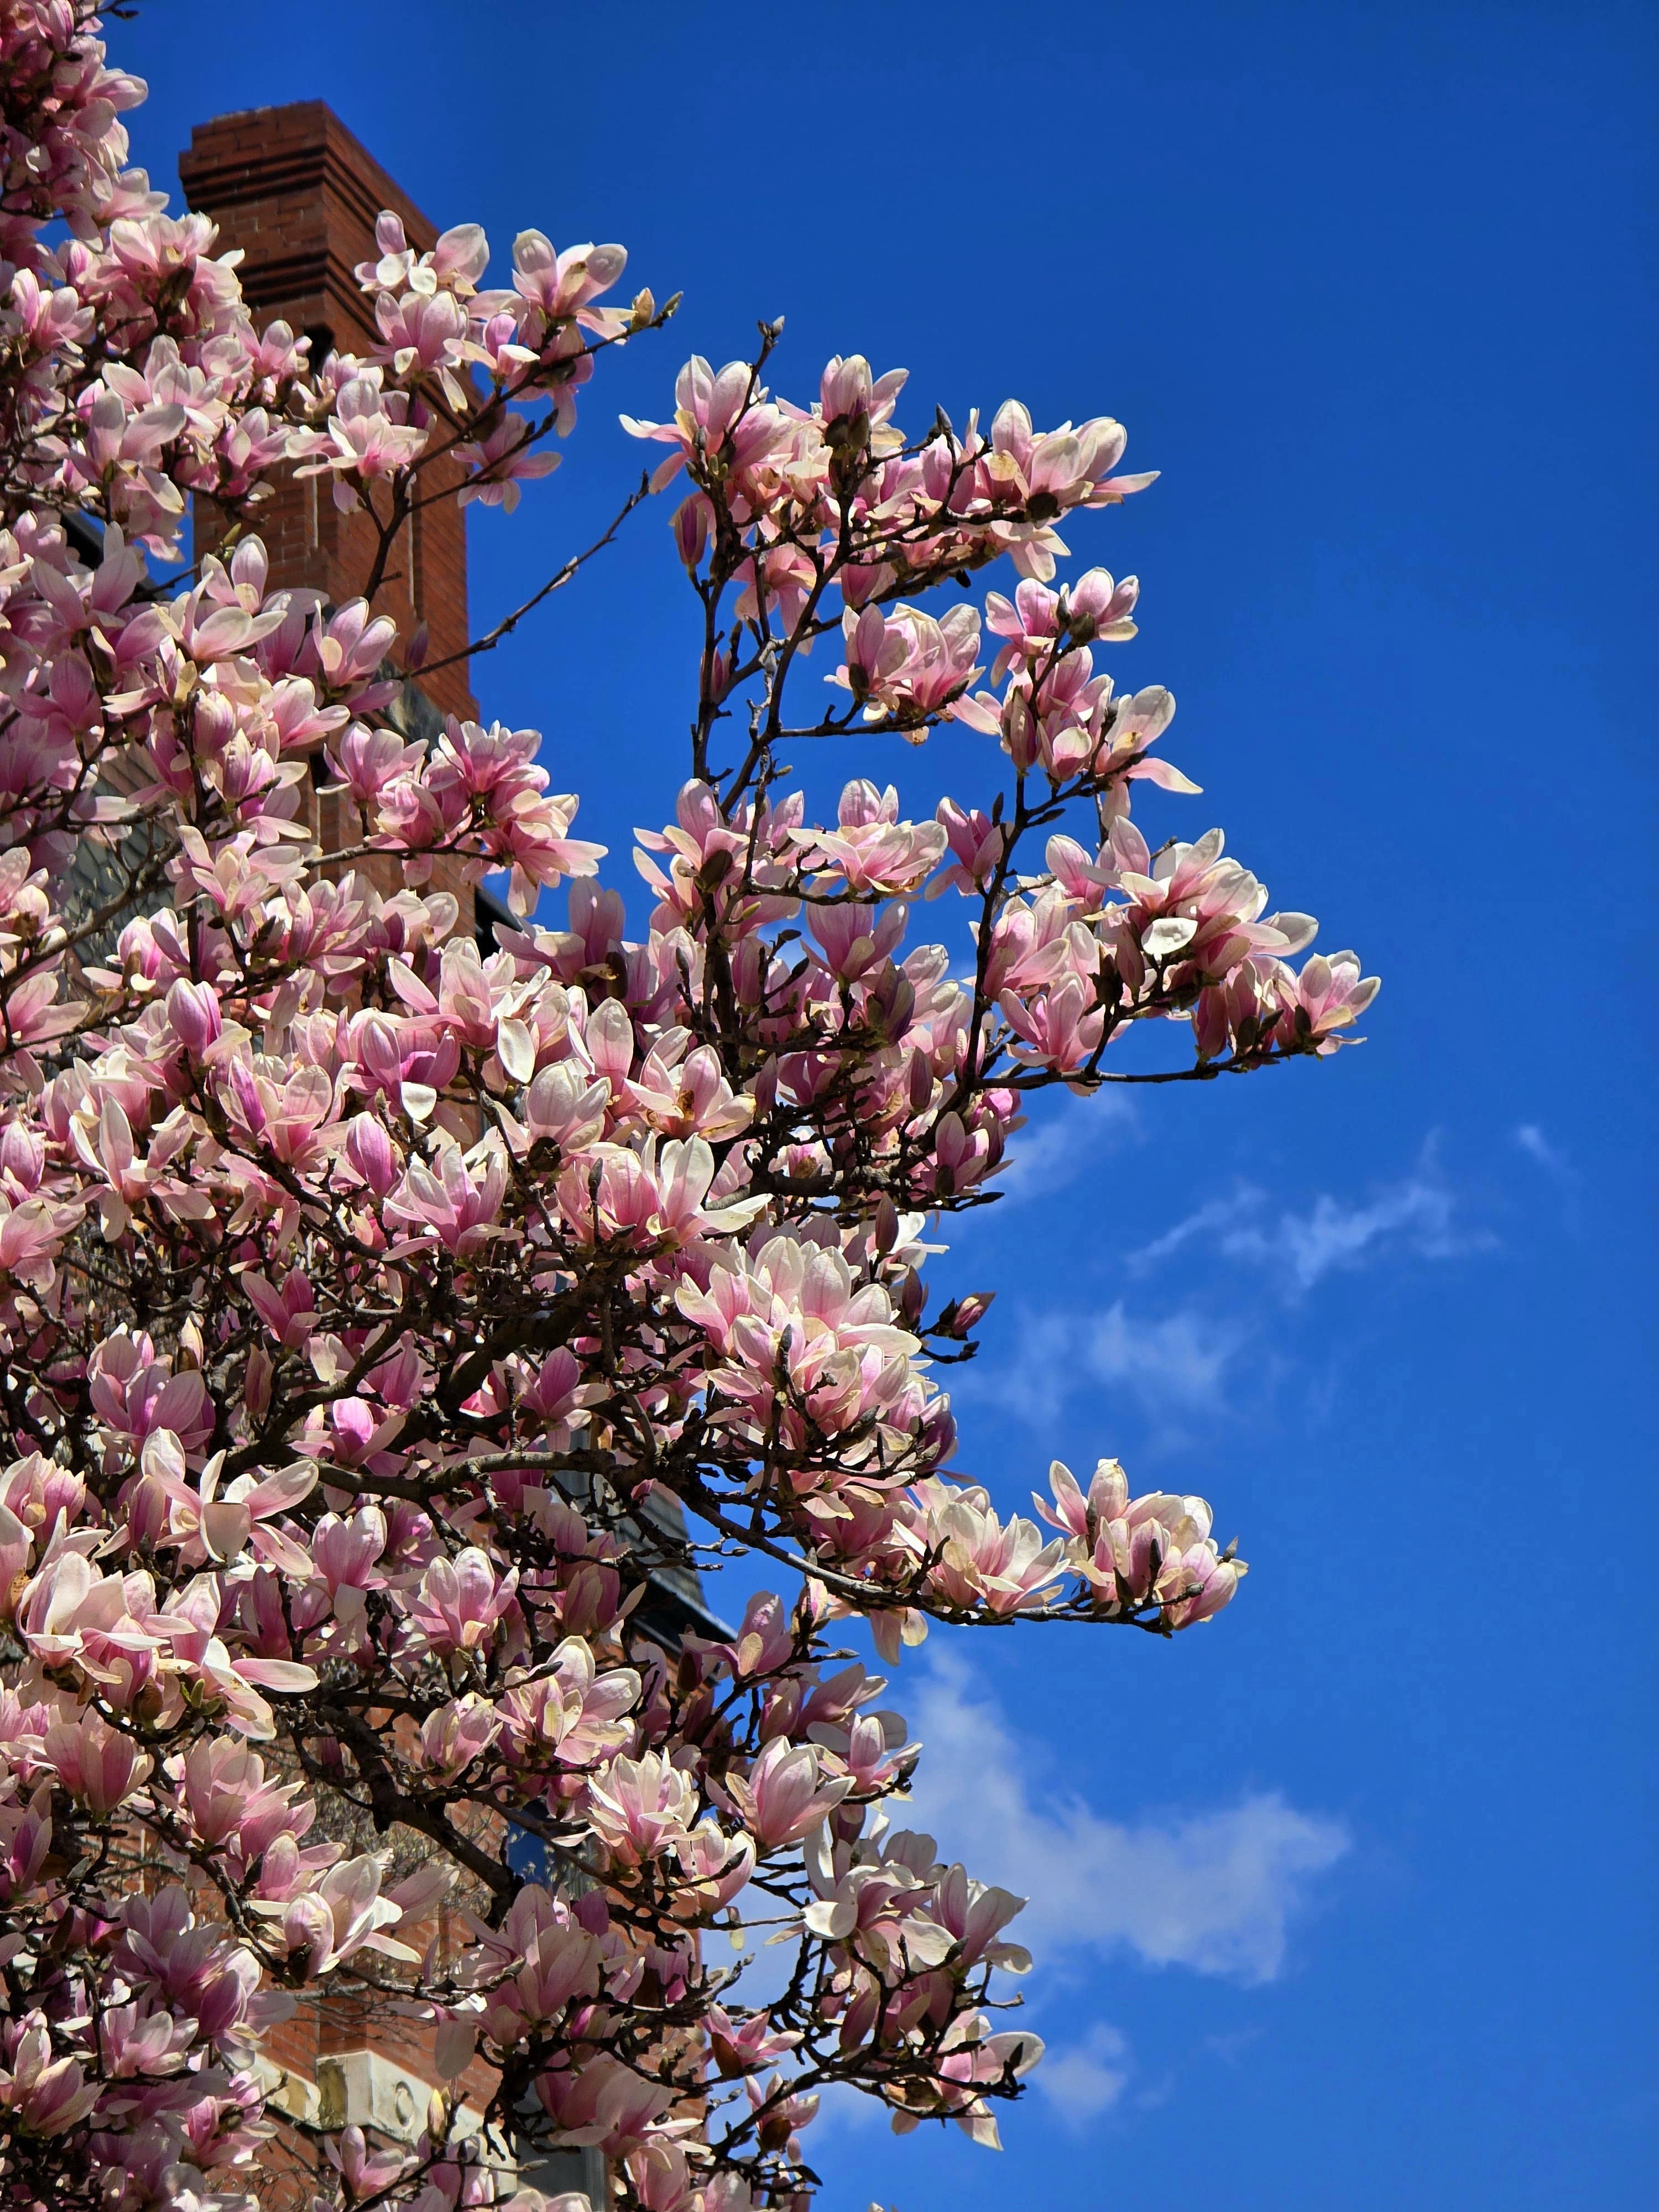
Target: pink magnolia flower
{"x": 1036, "y": 622}
{"x": 457, "y": 1735}
{"x": 459, "y": 1603}
{"x": 871, "y": 850}
{"x": 366, "y": 2173}
{"x": 1135, "y": 1551}
{"x": 560, "y": 285}
{"x": 976, "y": 1913}
{"x": 32, "y": 1236}
{"x": 458, "y": 1202}
{"x": 765, "y": 1642}
{"x": 976, "y": 845}
{"x": 177, "y": 1959}
{"x": 222, "y": 1793}
{"x": 662, "y": 2180}
{"x": 1326, "y": 996}
{"x": 856, "y": 407}
{"x": 718, "y": 416}
{"x": 367, "y": 438}
{"x": 973, "y": 2056}
{"x": 45, "y": 2096}
{"x": 686, "y": 1094}
{"x": 786, "y": 1793}
{"x": 605, "y": 2104}
{"x": 346, "y": 650}
{"x": 346, "y": 1551}
{"x": 456, "y": 262}
{"x": 556, "y": 1960}
{"x": 136, "y": 2041}
{"x": 1005, "y": 1567}
{"x": 575, "y": 1710}
{"x": 423, "y": 334}
{"x": 854, "y": 938}
{"x": 643, "y": 1808}
{"x": 501, "y": 461}
{"x": 739, "y": 2045}
{"x": 907, "y": 667}
{"x": 97, "y": 1764}
{"x": 136, "y": 1395}
{"x": 344, "y": 1914}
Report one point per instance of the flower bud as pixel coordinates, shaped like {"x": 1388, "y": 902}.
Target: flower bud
{"x": 963, "y": 1314}
{"x": 691, "y": 527}
{"x": 193, "y": 1011}
{"x": 370, "y": 1151}
{"x": 214, "y": 724}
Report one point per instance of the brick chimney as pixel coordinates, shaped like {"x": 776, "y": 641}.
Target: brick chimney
{"x": 297, "y": 191}
{"x": 294, "y": 190}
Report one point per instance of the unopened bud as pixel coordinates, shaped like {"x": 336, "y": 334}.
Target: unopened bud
{"x": 962, "y": 1314}
{"x": 690, "y": 528}
{"x": 214, "y": 723}
{"x": 369, "y": 1149}
{"x": 921, "y": 1082}
{"x": 193, "y": 1012}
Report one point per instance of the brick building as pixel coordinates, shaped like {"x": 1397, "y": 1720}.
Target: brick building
{"x": 294, "y": 190}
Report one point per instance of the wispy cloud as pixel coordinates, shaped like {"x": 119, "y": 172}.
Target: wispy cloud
{"x": 1081, "y": 2081}
{"x": 1180, "y": 1358}
{"x": 1418, "y": 1215}
{"x": 1230, "y": 2049}
{"x": 842, "y": 2107}
{"x": 1213, "y": 1890}
{"x": 1172, "y": 1366}
{"x": 1179, "y": 1365}
{"x": 1554, "y": 1162}
{"x": 1089, "y": 2079}
{"x": 1559, "y": 1165}
{"x": 1055, "y": 1150}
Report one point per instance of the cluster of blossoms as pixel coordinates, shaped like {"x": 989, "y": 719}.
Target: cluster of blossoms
{"x": 382, "y": 1319}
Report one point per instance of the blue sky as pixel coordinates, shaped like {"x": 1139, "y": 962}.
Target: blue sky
{"x": 1351, "y": 1895}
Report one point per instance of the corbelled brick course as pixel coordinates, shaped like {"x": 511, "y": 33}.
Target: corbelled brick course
{"x": 299, "y": 195}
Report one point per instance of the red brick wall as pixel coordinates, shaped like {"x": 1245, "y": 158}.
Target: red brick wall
{"x": 299, "y": 195}
{"x": 297, "y": 191}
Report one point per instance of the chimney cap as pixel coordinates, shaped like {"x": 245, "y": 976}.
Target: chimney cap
{"x": 257, "y": 152}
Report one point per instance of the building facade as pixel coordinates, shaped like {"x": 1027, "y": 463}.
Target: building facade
{"x": 295, "y": 191}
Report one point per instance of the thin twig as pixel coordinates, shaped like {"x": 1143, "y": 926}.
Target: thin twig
{"x": 555, "y": 582}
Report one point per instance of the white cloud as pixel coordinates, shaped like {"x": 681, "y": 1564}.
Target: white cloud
{"x": 1230, "y": 2049}
{"x": 1213, "y": 1891}
{"x": 1417, "y": 1214}
{"x": 1537, "y": 1146}
{"x": 1181, "y": 1366}
{"x": 1171, "y": 1365}
{"x": 1218, "y": 1219}
{"x": 1181, "y": 1358}
{"x": 1057, "y": 1147}
{"x": 1088, "y": 2080}
{"x": 842, "y": 2107}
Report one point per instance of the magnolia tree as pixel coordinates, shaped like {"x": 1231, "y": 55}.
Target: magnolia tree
{"x": 378, "y": 1319}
